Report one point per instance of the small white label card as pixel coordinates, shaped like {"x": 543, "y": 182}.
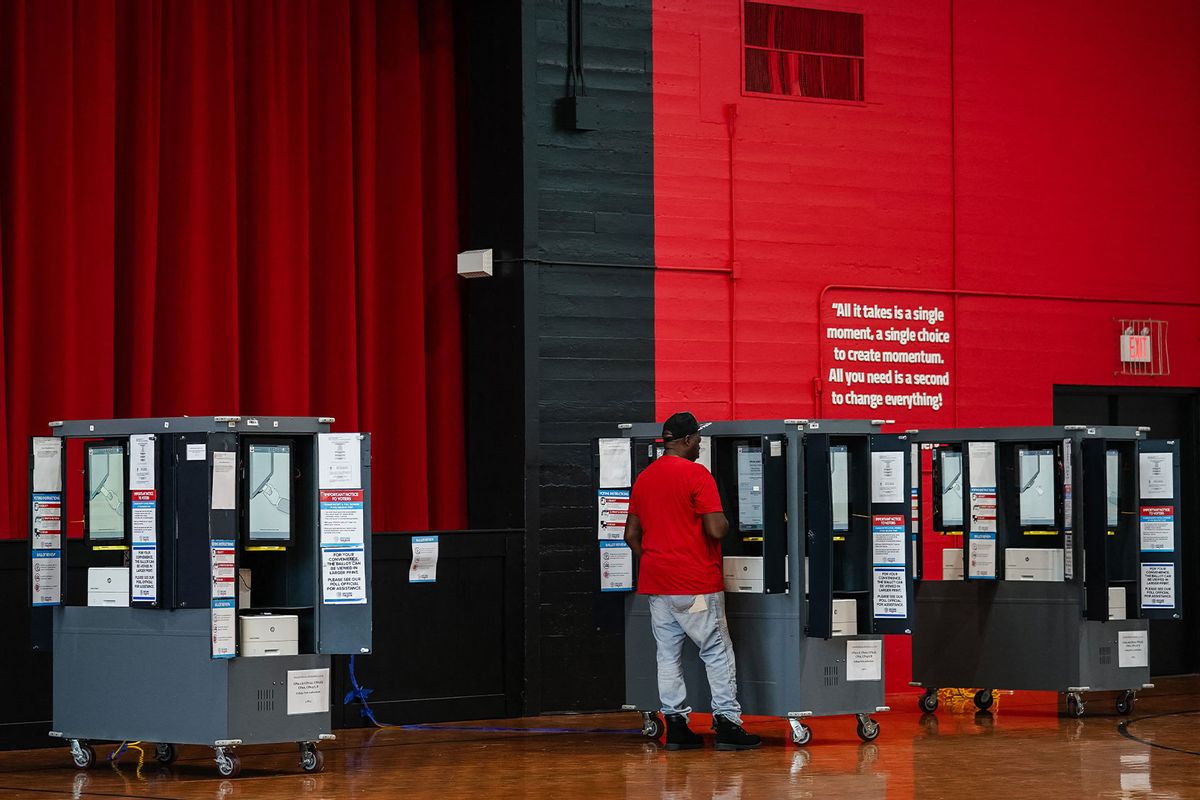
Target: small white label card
{"x": 864, "y": 660}
{"x": 197, "y": 452}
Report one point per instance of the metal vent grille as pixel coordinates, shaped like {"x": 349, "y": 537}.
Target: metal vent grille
{"x": 803, "y": 52}
{"x": 832, "y": 675}
{"x": 1105, "y": 655}
{"x": 266, "y": 700}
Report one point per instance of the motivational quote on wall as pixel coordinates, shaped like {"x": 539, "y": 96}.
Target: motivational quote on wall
{"x": 892, "y": 354}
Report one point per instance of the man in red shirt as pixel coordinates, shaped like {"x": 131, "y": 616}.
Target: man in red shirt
{"x": 675, "y": 527}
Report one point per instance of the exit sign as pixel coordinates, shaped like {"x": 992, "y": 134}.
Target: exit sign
{"x": 1135, "y": 348}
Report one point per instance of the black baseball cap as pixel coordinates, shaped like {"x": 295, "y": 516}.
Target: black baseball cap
{"x": 680, "y": 425}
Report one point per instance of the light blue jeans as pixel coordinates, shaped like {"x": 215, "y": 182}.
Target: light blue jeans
{"x": 701, "y": 618}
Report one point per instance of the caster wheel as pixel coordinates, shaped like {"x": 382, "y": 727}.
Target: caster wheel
{"x": 165, "y": 753}
{"x": 984, "y": 699}
{"x": 928, "y": 702}
{"x": 653, "y": 726}
{"x": 1075, "y": 706}
{"x": 1125, "y": 702}
{"x": 801, "y": 735}
{"x": 84, "y": 757}
{"x": 312, "y": 760}
{"x": 868, "y": 729}
{"x": 229, "y": 765}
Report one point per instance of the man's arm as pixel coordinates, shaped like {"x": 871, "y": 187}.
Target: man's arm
{"x": 633, "y": 534}
{"x": 715, "y": 525}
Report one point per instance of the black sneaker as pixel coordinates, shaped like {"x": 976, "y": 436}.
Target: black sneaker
{"x": 679, "y": 735}
{"x": 731, "y": 736}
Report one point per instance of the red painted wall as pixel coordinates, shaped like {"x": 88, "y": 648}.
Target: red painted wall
{"x": 1004, "y": 147}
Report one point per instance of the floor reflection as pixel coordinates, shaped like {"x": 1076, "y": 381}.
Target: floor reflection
{"x": 1022, "y": 748}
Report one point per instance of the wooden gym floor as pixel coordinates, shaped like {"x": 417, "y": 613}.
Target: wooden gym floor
{"x": 1025, "y": 749}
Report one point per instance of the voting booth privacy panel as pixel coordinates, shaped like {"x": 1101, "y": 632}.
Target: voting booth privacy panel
{"x": 227, "y": 559}
{"x": 1070, "y": 545}
{"x": 818, "y": 564}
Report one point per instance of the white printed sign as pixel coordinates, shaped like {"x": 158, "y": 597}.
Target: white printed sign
{"x": 224, "y": 559}
{"x": 1158, "y": 585}
{"x": 141, "y": 461}
{"x": 1157, "y": 475}
{"x": 887, "y": 477}
{"x": 47, "y": 464}
{"x": 47, "y": 521}
{"x": 1068, "y": 488}
{"x": 423, "y": 568}
{"x": 307, "y": 691}
{"x": 143, "y": 516}
{"x": 616, "y": 463}
{"x": 344, "y": 575}
{"x": 339, "y": 461}
{"x": 1133, "y": 649}
{"x": 864, "y": 660}
{"x": 145, "y": 573}
{"x": 342, "y": 520}
{"x": 982, "y": 463}
{"x": 981, "y": 555}
{"x": 224, "y": 481}
{"x": 887, "y": 539}
{"x": 47, "y": 577}
{"x": 616, "y": 567}
{"x": 890, "y": 597}
{"x": 612, "y": 507}
{"x": 1158, "y": 529}
{"x": 224, "y": 628}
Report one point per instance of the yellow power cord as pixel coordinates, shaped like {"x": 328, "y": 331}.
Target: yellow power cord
{"x": 129, "y": 746}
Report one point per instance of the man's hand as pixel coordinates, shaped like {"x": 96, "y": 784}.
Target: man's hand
{"x": 715, "y": 525}
{"x": 633, "y": 534}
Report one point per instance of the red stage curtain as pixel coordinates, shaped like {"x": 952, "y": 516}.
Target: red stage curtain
{"x": 234, "y": 208}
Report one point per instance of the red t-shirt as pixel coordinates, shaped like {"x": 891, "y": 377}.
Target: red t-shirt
{"x": 677, "y": 557}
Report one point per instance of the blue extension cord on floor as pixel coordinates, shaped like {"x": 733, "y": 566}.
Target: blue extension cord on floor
{"x": 360, "y": 693}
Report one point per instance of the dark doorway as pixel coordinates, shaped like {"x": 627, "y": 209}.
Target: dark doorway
{"x": 1170, "y": 414}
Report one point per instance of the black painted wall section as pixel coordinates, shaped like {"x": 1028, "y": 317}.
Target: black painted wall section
{"x": 560, "y": 344}
{"x": 488, "y": 36}
{"x": 592, "y": 323}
